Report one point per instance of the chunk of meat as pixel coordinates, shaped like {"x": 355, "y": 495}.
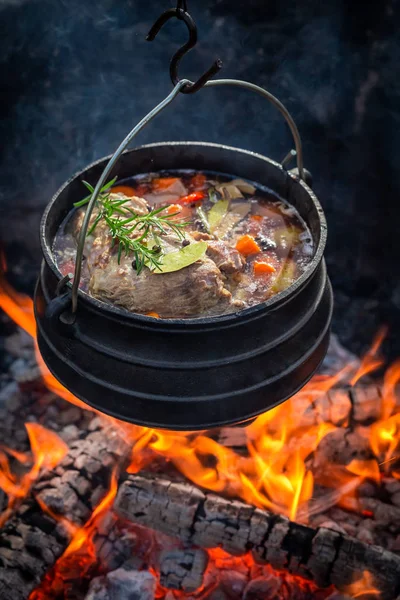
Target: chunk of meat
{"x": 185, "y": 293}
{"x": 98, "y": 244}
{"x": 227, "y": 259}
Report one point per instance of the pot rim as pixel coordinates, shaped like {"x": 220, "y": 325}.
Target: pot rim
{"x": 252, "y": 311}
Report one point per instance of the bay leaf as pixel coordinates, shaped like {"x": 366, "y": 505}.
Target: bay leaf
{"x": 236, "y": 214}
{"x": 175, "y": 261}
{"x": 217, "y": 213}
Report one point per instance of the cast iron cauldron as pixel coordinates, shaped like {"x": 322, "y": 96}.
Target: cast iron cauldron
{"x": 186, "y": 374}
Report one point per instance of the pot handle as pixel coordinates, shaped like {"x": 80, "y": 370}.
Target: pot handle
{"x": 149, "y": 117}
{"x": 58, "y": 311}
{"x": 58, "y": 314}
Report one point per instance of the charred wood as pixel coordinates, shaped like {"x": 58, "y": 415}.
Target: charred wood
{"x": 32, "y": 540}
{"x": 205, "y": 520}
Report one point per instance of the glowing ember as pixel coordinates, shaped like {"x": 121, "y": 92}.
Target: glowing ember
{"x": 363, "y": 587}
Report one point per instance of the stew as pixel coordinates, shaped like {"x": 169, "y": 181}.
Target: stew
{"x": 186, "y": 244}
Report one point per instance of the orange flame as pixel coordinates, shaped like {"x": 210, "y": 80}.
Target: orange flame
{"x": 363, "y": 587}
{"x": 371, "y": 362}
{"x": 47, "y": 450}
{"x": 384, "y": 435}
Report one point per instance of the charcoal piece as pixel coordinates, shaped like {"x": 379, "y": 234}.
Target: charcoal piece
{"x": 262, "y": 588}
{"x": 123, "y": 585}
{"x": 183, "y": 569}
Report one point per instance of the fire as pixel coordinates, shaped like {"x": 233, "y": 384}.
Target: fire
{"x": 363, "y": 587}
{"x": 18, "y": 306}
{"x": 371, "y": 362}
{"x": 80, "y": 556}
{"x": 47, "y": 450}
{"x": 275, "y": 474}
{"x": 384, "y": 434}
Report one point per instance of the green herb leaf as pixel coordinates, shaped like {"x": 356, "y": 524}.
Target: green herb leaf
{"x": 217, "y": 213}
{"x": 175, "y": 261}
{"x": 123, "y": 223}
{"x": 86, "y": 200}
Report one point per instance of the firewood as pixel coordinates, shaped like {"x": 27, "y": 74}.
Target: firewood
{"x": 205, "y": 520}
{"x": 32, "y": 540}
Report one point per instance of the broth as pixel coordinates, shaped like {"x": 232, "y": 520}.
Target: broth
{"x": 218, "y": 246}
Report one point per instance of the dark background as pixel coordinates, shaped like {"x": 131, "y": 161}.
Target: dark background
{"x": 76, "y": 76}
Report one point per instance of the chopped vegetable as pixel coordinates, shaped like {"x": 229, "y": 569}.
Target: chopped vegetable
{"x": 124, "y": 189}
{"x": 191, "y": 198}
{"x": 229, "y": 191}
{"x": 153, "y": 314}
{"x": 181, "y": 213}
{"x": 285, "y": 278}
{"x": 175, "y": 261}
{"x": 247, "y": 245}
{"x": 217, "y": 213}
{"x": 236, "y": 214}
{"x": 244, "y": 186}
{"x": 263, "y": 268}
{"x": 286, "y": 237}
{"x": 173, "y": 209}
{"x": 163, "y": 183}
{"x": 256, "y": 217}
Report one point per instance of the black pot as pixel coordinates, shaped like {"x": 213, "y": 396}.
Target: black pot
{"x": 187, "y": 373}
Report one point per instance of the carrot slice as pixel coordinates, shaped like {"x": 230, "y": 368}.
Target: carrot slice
{"x": 247, "y": 245}
{"x": 181, "y": 212}
{"x": 153, "y": 314}
{"x": 256, "y": 217}
{"x": 190, "y": 198}
{"x": 163, "y": 183}
{"x": 124, "y": 189}
{"x": 172, "y": 209}
{"x": 262, "y": 268}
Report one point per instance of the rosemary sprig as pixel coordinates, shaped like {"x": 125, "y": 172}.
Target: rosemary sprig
{"x": 104, "y": 189}
{"x": 122, "y": 222}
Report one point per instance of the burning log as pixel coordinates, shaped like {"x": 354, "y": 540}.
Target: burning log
{"x": 35, "y": 537}
{"x": 205, "y": 520}
{"x": 337, "y": 406}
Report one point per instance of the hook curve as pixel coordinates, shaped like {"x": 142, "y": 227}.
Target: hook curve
{"x": 181, "y": 13}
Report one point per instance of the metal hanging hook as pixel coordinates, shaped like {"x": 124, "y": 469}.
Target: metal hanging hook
{"x": 180, "y": 12}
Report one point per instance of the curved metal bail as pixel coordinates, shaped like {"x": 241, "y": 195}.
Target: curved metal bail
{"x": 181, "y": 14}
